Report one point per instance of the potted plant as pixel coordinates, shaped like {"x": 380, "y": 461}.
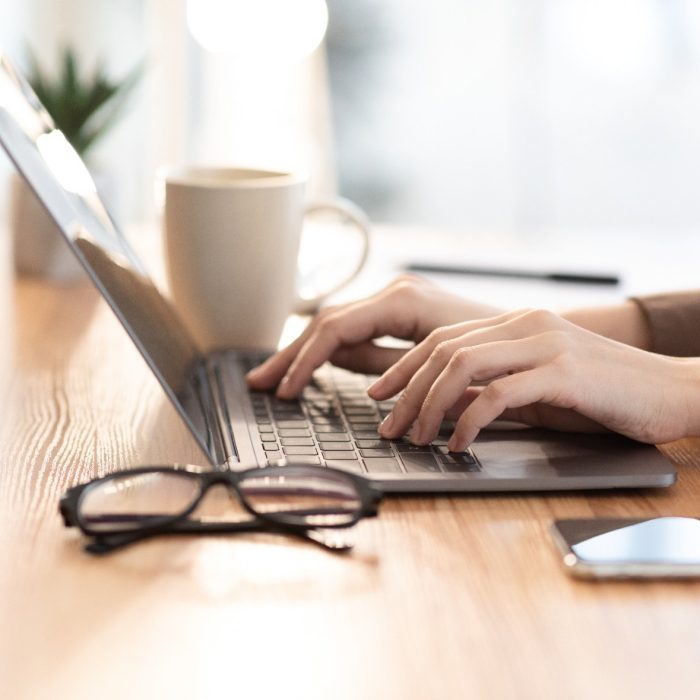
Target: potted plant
{"x": 84, "y": 109}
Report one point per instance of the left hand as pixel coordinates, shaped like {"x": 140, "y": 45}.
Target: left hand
{"x": 541, "y": 370}
{"x": 408, "y": 308}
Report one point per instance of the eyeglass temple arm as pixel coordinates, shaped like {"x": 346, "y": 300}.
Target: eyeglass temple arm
{"x": 328, "y": 540}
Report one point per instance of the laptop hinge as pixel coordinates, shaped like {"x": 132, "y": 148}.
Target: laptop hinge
{"x": 217, "y": 413}
{"x": 209, "y": 395}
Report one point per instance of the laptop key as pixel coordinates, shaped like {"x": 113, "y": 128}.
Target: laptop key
{"x": 362, "y": 422}
{"x": 297, "y": 442}
{"x": 447, "y": 457}
{"x": 265, "y": 429}
{"x": 268, "y": 437}
{"x": 366, "y": 434}
{"x": 373, "y": 444}
{"x": 419, "y": 462}
{"x": 321, "y": 411}
{"x": 459, "y": 466}
{"x": 353, "y": 465}
{"x": 376, "y": 453}
{"x": 361, "y": 411}
{"x": 336, "y": 454}
{"x": 299, "y": 450}
{"x": 321, "y": 404}
{"x": 379, "y": 465}
{"x": 331, "y": 428}
{"x": 294, "y": 432}
{"x": 324, "y": 420}
{"x": 335, "y": 446}
{"x": 292, "y": 424}
{"x": 332, "y": 437}
{"x": 408, "y": 447}
{"x": 349, "y": 404}
{"x": 270, "y": 446}
{"x": 288, "y": 415}
{"x": 273, "y": 456}
{"x": 280, "y": 405}
{"x": 304, "y": 460}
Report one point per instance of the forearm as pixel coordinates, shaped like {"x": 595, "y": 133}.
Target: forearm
{"x": 623, "y": 322}
{"x": 687, "y": 374}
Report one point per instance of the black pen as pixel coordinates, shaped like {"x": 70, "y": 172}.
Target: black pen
{"x": 574, "y": 277}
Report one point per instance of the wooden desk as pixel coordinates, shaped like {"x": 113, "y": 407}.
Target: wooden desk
{"x": 442, "y": 597}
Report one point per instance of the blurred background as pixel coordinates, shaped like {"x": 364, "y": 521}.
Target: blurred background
{"x": 503, "y": 116}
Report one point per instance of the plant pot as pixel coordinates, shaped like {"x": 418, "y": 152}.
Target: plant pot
{"x": 39, "y": 247}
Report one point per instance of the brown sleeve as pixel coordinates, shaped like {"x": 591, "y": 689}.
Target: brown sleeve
{"x": 674, "y": 321}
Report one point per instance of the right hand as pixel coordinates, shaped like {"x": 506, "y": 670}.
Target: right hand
{"x": 409, "y": 308}
{"x": 542, "y": 370}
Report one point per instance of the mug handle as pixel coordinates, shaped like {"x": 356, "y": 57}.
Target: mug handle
{"x": 350, "y": 212}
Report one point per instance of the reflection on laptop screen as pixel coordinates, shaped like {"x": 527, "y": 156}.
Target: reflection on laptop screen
{"x": 61, "y": 181}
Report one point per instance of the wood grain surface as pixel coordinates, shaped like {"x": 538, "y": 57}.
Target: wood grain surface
{"x": 459, "y": 597}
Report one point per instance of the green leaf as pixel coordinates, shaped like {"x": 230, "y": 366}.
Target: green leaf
{"x": 83, "y": 108}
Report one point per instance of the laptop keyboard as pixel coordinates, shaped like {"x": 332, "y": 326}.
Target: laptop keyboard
{"x": 335, "y": 423}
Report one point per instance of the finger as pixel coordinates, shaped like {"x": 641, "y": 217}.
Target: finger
{"x": 410, "y": 401}
{"x": 268, "y": 374}
{"x": 467, "y": 365}
{"x": 511, "y": 392}
{"x": 406, "y": 290}
{"x": 366, "y": 358}
{"x": 452, "y": 366}
{"x": 458, "y": 408}
{"x": 542, "y": 415}
{"x": 384, "y": 314}
{"x": 536, "y": 415}
{"x": 398, "y": 376}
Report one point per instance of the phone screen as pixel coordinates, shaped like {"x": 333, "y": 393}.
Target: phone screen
{"x": 665, "y": 546}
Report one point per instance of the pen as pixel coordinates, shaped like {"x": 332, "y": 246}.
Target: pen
{"x": 575, "y": 277}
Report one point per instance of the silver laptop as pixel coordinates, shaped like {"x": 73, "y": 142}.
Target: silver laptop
{"x": 334, "y": 423}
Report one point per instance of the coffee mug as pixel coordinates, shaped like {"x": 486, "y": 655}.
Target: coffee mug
{"x": 231, "y": 239}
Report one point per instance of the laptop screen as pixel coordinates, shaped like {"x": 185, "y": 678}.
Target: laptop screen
{"x": 62, "y": 182}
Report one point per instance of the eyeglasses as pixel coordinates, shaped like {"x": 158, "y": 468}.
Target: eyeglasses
{"x": 303, "y": 500}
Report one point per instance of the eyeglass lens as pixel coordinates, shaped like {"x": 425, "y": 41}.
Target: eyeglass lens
{"x": 295, "y": 498}
{"x": 129, "y": 502}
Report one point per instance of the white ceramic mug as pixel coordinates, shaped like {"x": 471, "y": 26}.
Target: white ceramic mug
{"x": 231, "y": 241}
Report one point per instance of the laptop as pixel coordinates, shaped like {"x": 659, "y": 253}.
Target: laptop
{"x": 333, "y": 423}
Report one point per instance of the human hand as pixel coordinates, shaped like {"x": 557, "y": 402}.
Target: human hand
{"x": 542, "y": 370}
{"x": 409, "y": 308}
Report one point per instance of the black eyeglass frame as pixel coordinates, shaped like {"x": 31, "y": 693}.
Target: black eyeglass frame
{"x": 369, "y": 497}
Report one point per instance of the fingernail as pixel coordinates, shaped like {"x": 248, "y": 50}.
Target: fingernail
{"x": 386, "y": 424}
{"x": 416, "y": 434}
{"x": 375, "y": 385}
{"x": 456, "y": 444}
{"x": 251, "y": 374}
{"x": 283, "y": 388}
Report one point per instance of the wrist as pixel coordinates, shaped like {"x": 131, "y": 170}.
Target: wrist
{"x": 689, "y": 390}
{"x": 624, "y": 322}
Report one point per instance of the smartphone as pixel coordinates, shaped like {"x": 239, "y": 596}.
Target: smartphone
{"x": 667, "y": 547}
